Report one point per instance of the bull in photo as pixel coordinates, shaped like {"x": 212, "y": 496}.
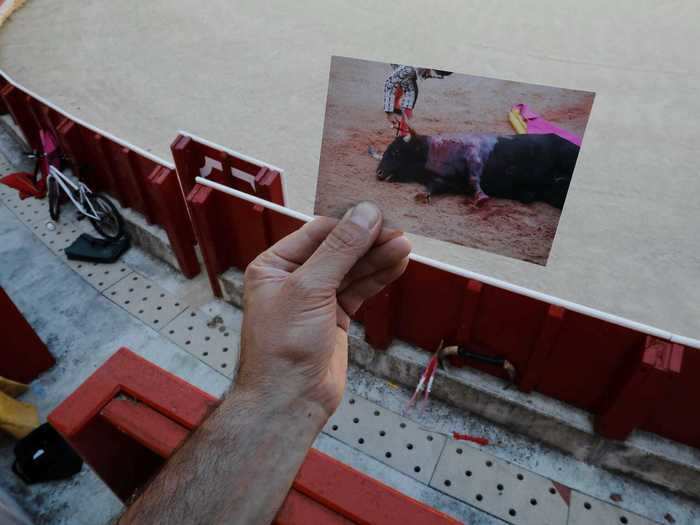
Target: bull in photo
{"x": 526, "y": 168}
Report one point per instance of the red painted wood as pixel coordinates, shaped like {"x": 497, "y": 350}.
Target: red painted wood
{"x": 173, "y": 215}
{"x": 543, "y": 348}
{"x": 23, "y": 355}
{"x": 136, "y": 377}
{"x": 378, "y": 317}
{"x": 299, "y": 509}
{"x": 590, "y": 357}
{"x": 181, "y": 149}
{"x": 358, "y": 497}
{"x": 428, "y": 306}
{"x": 104, "y": 167}
{"x": 269, "y": 184}
{"x": 279, "y": 226}
{"x": 145, "y": 425}
{"x": 643, "y": 391}
{"x": 16, "y": 102}
{"x": 470, "y": 304}
{"x": 3, "y": 82}
{"x": 202, "y": 224}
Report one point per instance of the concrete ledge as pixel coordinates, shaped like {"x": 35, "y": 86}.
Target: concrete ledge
{"x": 644, "y": 456}
{"x": 149, "y": 237}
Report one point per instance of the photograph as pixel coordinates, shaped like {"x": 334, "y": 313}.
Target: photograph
{"x": 475, "y": 161}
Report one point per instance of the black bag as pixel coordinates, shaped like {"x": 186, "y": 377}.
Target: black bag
{"x": 92, "y": 249}
{"x": 43, "y": 455}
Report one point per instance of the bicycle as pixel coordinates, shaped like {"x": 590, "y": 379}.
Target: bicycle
{"x": 99, "y": 209}
{"x": 103, "y": 215}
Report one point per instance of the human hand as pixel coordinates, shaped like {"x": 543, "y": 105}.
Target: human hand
{"x": 298, "y": 299}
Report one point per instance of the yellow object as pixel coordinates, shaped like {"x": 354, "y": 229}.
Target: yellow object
{"x": 12, "y": 388}
{"x": 17, "y": 418}
{"x": 517, "y": 121}
{"x": 8, "y": 7}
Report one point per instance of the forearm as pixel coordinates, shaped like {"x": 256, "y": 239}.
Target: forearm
{"x": 237, "y": 467}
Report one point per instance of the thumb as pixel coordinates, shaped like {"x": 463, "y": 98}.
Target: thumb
{"x": 352, "y": 238}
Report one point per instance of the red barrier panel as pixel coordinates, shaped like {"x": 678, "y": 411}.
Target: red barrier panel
{"x": 133, "y": 178}
{"x": 126, "y": 441}
{"x": 230, "y": 232}
{"x": 17, "y": 103}
{"x": 23, "y": 356}
{"x": 571, "y": 356}
{"x": 3, "y": 106}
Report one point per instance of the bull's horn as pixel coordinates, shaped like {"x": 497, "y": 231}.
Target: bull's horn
{"x": 407, "y": 138}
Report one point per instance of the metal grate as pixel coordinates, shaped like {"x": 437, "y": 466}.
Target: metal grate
{"x": 145, "y": 300}
{"x": 589, "y": 511}
{"x": 207, "y": 338}
{"x": 500, "y": 488}
{"x": 386, "y": 436}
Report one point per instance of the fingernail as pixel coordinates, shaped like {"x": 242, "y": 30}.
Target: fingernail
{"x": 365, "y": 215}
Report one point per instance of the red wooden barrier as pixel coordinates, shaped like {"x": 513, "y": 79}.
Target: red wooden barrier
{"x": 230, "y": 232}
{"x": 23, "y": 356}
{"x": 574, "y": 357}
{"x": 136, "y": 180}
{"x": 126, "y": 441}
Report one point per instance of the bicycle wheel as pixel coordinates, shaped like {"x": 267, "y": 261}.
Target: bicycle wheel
{"x": 111, "y": 224}
{"x": 54, "y": 199}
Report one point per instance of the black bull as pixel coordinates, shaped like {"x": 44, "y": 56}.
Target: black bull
{"x": 525, "y": 168}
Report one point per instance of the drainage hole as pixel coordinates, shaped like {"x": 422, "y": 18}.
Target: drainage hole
{"x": 224, "y": 349}
{"x": 361, "y": 441}
{"x": 335, "y": 427}
{"x": 552, "y": 490}
{"x": 520, "y": 477}
{"x": 459, "y": 451}
{"x": 512, "y": 512}
{"x": 402, "y": 425}
{"x": 587, "y": 506}
{"x": 448, "y": 483}
{"x": 376, "y": 412}
{"x": 479, "y": 497}
{"x": 430, "y": 438}
{"x": 223, "y": 366}
{"x": 409, "y": 446}
{"x": 499, "y": 487}
{"x": 352, "y": 401}
{"x": 468, "y": 473}
{"x": 387, "y": 454}
{"x": 489, "y": 463}
{"x": 382, "y": 433}
{"x": 205, "y": 353}
{"x": 206, "y": 338}
{"x": 416, "y": 469}
{"x": 623, "y": 519}
{"x": 356, "y": 420}
{"x": 533, "y": 502}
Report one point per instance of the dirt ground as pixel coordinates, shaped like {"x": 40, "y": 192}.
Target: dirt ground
{"x": 355, "y": 120}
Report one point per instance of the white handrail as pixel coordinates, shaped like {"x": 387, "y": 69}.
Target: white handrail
{"x": 498, "y": 283}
